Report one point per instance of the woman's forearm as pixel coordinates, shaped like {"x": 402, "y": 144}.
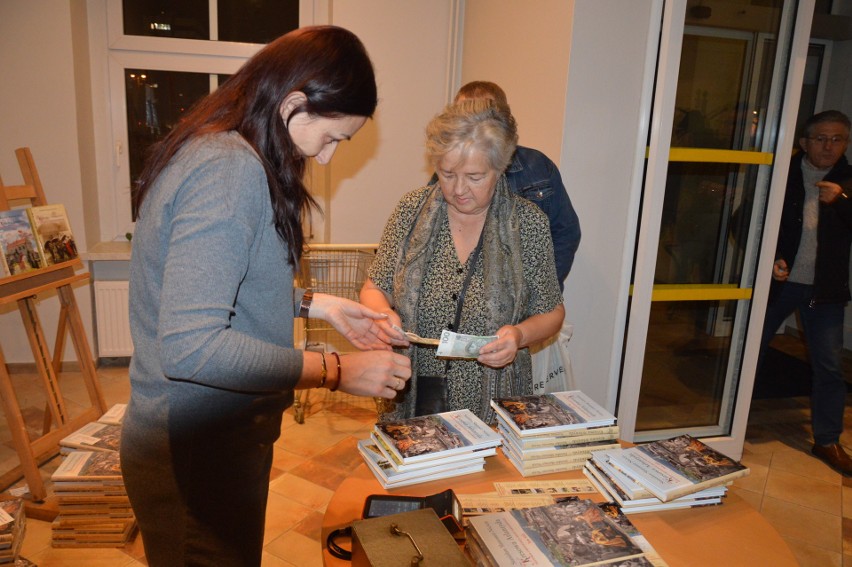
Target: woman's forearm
{"x": 539, "y": 327}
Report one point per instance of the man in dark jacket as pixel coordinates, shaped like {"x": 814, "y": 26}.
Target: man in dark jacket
{"x": 811, "y": 271}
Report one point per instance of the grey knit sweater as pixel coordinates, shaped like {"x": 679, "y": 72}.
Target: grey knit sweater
{"x": 212, "y": 301}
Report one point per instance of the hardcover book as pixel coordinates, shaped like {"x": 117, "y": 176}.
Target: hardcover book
{"x": 550, "y": 413}
{"x": 114, "y": 415}
{"x": 435, "y": 436}
{"x": 53, "y": 233}
{"x": 389, "y": 477}
{"x": 675, "y": 467}
{"x": 89, "y": 465}
{"x": 571, "y": 533}
{"x": 94, "y": 436}
{"x": 651, "y": 504}
{"x": 570, "y": 437}
{"x": 18, "y": 243}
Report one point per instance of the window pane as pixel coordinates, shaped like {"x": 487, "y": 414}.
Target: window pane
{"x": 156, "y": 100}
{"x": 187, "y": 19}
{"x": 256, "y": 21}
{"x": 705, "y": 222}
{"x": 686, "y": 363}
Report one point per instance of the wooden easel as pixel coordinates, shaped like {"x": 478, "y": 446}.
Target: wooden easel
{"x": 23, "y": 289}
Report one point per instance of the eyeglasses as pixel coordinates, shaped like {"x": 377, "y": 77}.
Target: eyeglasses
{"x": 831, "y": 139}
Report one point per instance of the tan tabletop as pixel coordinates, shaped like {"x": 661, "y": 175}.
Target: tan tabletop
{"x": 730, "y": 534}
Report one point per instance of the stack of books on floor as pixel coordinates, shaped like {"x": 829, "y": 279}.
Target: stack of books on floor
{"x": 573, "y": 532}
{"x": 681, "y": 472}
{"x": 430, "y": 447}
{"x": 101, "y": 435}
{"x": 94, "y": 510}
{"x": 551, "y": 433}
{"x": 13, "y": 524}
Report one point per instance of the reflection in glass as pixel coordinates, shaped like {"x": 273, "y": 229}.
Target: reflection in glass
{"x": 704, "y": 225}
{"x": 187, "y": 19}
{"x": 245, "y": 21}
{"x": 686, "y": 362}
{"x": 155, "y": 102}
{"x": 256, "y": 21}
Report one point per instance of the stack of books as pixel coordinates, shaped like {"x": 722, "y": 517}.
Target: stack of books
{"x": 94, "y": 510}
{"x": 573, "y": 532}
{"x": 634, "y": 498}
{"x": 93, "y": 436}
{"x": 681, "y": 472}
{"x": 13, "y": 524}
{"x": 426, "y": 448}
{"x": 552, "y": 433}
{"x": 101, "y": 435}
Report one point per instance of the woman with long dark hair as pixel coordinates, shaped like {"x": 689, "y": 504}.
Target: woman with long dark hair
{"x": 212, "y": 299}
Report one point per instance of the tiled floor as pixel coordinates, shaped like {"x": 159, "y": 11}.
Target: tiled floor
{"x": 809, "y": 504}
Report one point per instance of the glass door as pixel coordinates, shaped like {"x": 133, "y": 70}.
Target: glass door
{"x": 719, "y": 93}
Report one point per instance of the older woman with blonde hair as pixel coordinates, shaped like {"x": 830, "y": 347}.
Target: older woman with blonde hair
{"x": 465, "y": 254}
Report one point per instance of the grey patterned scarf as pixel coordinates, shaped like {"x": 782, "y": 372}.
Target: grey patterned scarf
{"x": 506, "y": 293}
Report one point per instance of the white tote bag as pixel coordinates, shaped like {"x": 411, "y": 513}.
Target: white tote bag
{"x": 551, "y": 364}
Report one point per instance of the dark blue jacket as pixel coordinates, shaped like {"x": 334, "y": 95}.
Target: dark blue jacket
{"x": 834, "y": 231}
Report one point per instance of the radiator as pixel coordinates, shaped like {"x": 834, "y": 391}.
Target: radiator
{"x": 112, "y": 319}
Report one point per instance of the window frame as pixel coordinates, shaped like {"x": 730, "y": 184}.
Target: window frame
{"x": 118, "y": 52}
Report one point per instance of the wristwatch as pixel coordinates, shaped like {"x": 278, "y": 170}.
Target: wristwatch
{"x": 305, "y": 305}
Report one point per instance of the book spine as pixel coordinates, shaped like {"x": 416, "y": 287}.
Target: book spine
{"x": 602, "y": 432}
{"x": 543, "y": 453}
{"x": 534, "y": 443}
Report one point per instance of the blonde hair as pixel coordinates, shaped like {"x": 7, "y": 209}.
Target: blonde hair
{"x": 481, "y": 124}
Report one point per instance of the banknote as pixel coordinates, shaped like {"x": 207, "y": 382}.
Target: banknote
{"x": 457, "y": 345}
{"x": 417, "y": 339}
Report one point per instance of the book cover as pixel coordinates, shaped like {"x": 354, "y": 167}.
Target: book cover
{"x": 89, "y": 465}
{"x": 571, "y": 533}
{"x": 388, "y": 477}
{"x": 674, "y": 467}
{"x": 18, "y": 243}
{"x": 114, "y": 415}
{"x": 550, "y": 413}
{"x": 94, "y": 436}
{"x": 398, "y": 466}
{"x": 4, "y": 267}
{"x": 53, "y": 233}
{"x": 435, "y": 436}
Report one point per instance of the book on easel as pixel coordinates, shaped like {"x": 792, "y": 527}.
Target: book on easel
{"x": 18, "y": 242}
{"x": 52, "y": 230}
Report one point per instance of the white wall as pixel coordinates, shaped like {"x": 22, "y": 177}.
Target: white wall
{"x": 409, "y": 43}
{"x": 602, "y": 124}
{"x": 37, "y": 109}
{"x": 528, "y": 58}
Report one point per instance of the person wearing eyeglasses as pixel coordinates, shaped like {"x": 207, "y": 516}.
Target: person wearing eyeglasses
{"x": 811, "y": 271}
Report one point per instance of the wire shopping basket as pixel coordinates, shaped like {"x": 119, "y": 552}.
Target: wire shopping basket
{"x": 335, "y": 269}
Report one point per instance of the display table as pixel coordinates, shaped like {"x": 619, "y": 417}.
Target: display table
{"x": 731, "y": 534}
